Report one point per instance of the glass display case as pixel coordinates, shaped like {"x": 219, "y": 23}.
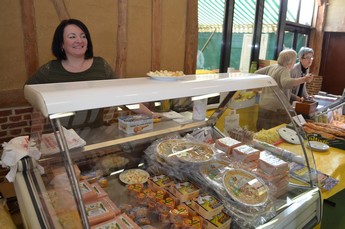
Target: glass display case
{"x": 199, "y": 165}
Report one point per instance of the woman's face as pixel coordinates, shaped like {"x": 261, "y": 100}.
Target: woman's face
{"x": 74, "y": 41}
{"x": 307, "y": 60}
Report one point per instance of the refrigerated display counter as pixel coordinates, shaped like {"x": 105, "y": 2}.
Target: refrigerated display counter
{"x": 75, "y": 127}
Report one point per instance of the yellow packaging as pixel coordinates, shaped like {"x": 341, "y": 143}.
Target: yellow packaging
{"x": 207, "y": 205}
{"x": 160, "y": 182}
{"x": 219, "y": 221}
{"x": 185, "y": 191}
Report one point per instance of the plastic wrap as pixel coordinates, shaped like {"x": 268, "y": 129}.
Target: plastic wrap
{"x": 209, "y": 174}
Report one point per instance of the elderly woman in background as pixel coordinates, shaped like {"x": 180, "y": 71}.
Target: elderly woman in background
{"x": 271, "y": 112}
{"x": 301, "y": 69}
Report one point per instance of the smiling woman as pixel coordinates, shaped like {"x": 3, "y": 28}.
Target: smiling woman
{"x": 72, "y": 47}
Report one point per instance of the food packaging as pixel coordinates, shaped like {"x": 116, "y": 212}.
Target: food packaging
{"x": 86, "y": 190}
{"x": 271, "y": 164}
{"x": 185, "y": 191}
{"x": 134, "y": 124}
{"x": 207, "y": 205}
{"x": 219, "y": 221}
{"x": 199, "y": 109}
{"x": 98, "y": 212}
{"x": 245, "y": 153}
{"x": 159, "y": 182}
{"x": 227, "y": 144}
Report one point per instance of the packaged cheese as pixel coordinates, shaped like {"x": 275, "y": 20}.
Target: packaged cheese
{"x": 185, "y": 191}
{"x": 127, "y": 222}
{"x": 207, "y": 205}
{"x": 98, "y": 211}
{"x": 219, "y": 221}
{"x": 245, "y": 153}
{"x": 227, "y": 144}
{"x": 135, "y": 124}
{"x": 99, "y": 190}
{"x": 113, "y": 223}
{"x": 160, "y": 182}
{"x": 271, "y": 164}
{"x": 87, "y": 192}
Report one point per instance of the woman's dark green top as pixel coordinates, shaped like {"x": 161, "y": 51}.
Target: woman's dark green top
{"x": 54, "y": 72}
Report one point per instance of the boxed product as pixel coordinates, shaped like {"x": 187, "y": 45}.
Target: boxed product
{"x": 98, "y": 211}
{"x": 219, "y": 221}
{"x": 113, "y": 223}
{"x": 271, "y": 164}
{"x": 127, "y": 222}
{"x": 194, "y": 222}
{"x": 207, "y": 205}
{"x": 226, "y": 144}
{"x": 245, "y": 153}
{"x": 160, "y": 182}
{"x": 99, "y": 190}
{"x": 134, "y": 124}
{"x": 87, "y": 192}
{"x": 185, "y": 191}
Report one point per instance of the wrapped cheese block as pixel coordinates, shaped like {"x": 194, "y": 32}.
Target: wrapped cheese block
{"x": 271, "y": 164}
{"x": 87, "y": 192}
{"x": 127, "y": 222}
{"x": 99, "y": 190}
{"x": 271, "y": 178}
{"x": 227, "y": 144}
{"x": 113, "y": 223}
{"x": 245, "y": 153}
{"x": 98, "y": 211}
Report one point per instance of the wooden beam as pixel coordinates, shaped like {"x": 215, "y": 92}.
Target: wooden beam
{"x": 61, "y": 9}
{"x": 156, "y": 34}
{"x": 30, "y": 36}
{"x": 191, "y": 44}
{"x": 121, "y": 56}
{"x": 316, "y": 37}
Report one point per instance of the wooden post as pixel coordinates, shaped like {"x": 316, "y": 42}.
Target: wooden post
{"x": 156, "y": 34}
{"x": 191, "y": 37}
{"x": 121, "y": 57}
{"x": 30, "y": 36}
{"x": 316, "y": 36}
{"x": 61, "y": 10}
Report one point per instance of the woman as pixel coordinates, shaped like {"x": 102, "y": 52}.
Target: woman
{"x": 271, "y": 112}
{"x": 72, "y": 47}
{"x": 301, "y": 69}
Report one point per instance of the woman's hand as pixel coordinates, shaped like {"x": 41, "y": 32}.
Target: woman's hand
{"x": 309, "y": 78}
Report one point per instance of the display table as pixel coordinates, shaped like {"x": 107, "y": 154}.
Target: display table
{"x": 330, "y": 162}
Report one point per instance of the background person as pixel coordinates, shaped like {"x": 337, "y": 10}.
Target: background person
{"x": 301, "y": 69}
{"x": 271, "y": 112}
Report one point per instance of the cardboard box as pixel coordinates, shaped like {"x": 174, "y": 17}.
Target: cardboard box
{"x": 134, "y": 124}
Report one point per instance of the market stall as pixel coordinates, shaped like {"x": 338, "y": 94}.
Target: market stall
{"x": 141, "y": 163}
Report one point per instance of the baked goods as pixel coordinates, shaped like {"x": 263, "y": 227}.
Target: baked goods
{"x": 165, "y": 73}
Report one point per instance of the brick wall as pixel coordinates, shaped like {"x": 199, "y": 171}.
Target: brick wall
{"x": 315, "y": 86}
{"x": 14, "y": 121}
